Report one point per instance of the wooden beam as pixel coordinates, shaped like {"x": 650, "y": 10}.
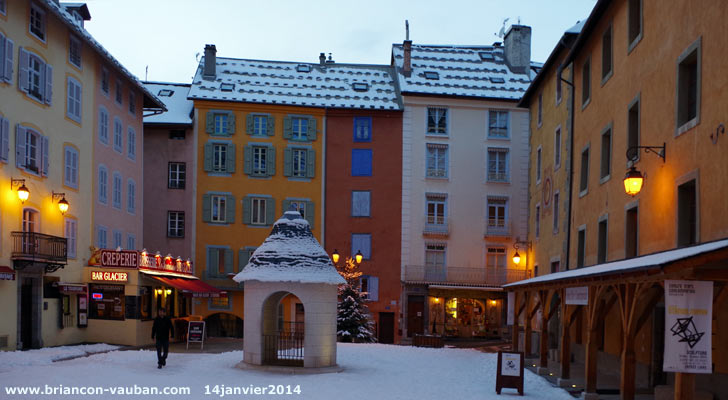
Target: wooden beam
{"x": 527, "y": 329}
{"x": 720, "y": 297}
{"x": 684, "y": 386}
{"x": 544, "y": 346}
{"x": 565, "y": 338}
{"x": 647, "y": 310}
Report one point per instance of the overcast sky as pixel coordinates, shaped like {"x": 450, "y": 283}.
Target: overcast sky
{"x": 167, "y": 35}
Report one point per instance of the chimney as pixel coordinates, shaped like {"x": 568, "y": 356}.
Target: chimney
{"x": 517, "y": 48}
{"x": 209, "y": 71}
{"x": 322, "y": 58}
{"x": 407, "y": 64}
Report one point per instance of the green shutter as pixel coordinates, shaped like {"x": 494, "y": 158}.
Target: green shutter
{"x": 310, "y": 213}
{"x": 270, "y": 211}
{"x": 249, "y": 124}
{"x": 311, "y": 134}
{"x": 270, "y": 162}
{"x": 231, "y": 123}
{"x": 228, "y": 261}
{"x": 271, "y": 125}
{"x": 212, "y": 261}
{"x": 287, "y": 127}
{"x": 230, "y": 160}
{"x": 206, "y": 208}
{"x": 310, "y": 163}
{"x": 246, "y": 210}
{"x": 230, "y": 209}
{"x": 286, "y": 205}
{"x": 288, "y": 162}
{"x": 248, "y": 159}
{"x": 210, "y": 122}
{"x": 208, "y": 157}
{"x": 243, "y": 258}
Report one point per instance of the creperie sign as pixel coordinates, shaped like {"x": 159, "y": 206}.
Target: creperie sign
{"x": 119, "y": 259}
{"x": 109, "y": 276}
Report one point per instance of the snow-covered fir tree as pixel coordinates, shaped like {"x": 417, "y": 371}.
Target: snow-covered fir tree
{"x": 352, "y": 322}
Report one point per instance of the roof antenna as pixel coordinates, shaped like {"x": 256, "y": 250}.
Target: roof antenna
{"x": 502, "y": 31}
{"x": 406, "y": 28}
{"x": 146, "y": 73}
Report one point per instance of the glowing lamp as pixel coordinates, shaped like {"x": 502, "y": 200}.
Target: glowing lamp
{"x": 335, "y": 256}
{"x": 492, "y": 302}
{"x": 63, "y": 206}
{"x": 169, "y": 291}
{"x": 437, "y": 299}
{"x": 633, "y": 181}
{"x": 516, "y": 258}
{"x": 23, "y": 192}
{"x": 359, "y": 257}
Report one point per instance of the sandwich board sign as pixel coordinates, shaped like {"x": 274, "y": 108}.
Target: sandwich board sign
{"x": 196, "y": 333}
{"x": 510, "y": 371}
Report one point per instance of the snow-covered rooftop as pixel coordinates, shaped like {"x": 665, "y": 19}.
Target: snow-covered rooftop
{"x": 299, "y": 84}
{"x": 290, "y": 254}
{"x": 467, "y": 71}
{"x": 174, "y": 97}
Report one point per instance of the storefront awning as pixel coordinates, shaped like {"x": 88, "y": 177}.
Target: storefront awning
{"x": 6, "y": 273}
{"x": 194, "y": 287}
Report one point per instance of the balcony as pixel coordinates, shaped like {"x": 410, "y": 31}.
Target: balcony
{"x": 437, "y": 173}
{"x": 497, "y": 227}
{"x": 494, "y": 176}
{"x": 33, "y": 247}
{"x": 438, "y": 274}
{"x": 436, "y": 225}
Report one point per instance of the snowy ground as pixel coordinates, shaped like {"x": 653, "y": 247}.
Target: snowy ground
{"x": 371, "y": 371}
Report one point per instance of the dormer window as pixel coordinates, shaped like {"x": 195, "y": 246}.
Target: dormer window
{"x": 37, "y": 21}
{"x": 432, "y": 75}
{"x": 486, "y": 56}
{"x": 360, "y": 86}
{"x": 303, "y": 68}
{"x": 165, "y": 93}
{"x": 497, "y": 79}
{"x": 227, "y": 87}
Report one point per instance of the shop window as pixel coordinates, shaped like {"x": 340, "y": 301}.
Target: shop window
{"x": 219, "y": 303}
{"x": 106, "y": 302}
{"x": 145, "y": 299}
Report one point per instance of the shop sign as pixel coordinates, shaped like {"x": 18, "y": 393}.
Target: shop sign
{"x": 196, "y": 333}
{"x": 165, "y": 263}
{"x": 688, "y": 326}
{"x": 109, "y": 276}
{"x": 119, "y": 259}
{"x": 577, "y": 295}
{"x": 6, "y": 274}
{"x": 97, "y": 296}
{"x": 510, "y": 371}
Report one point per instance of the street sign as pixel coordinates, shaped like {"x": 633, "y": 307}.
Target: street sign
{"x": 196, "y": 333}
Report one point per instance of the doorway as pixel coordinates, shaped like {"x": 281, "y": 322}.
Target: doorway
{"x": 415, "y": 315}
{"x": 386, "y": 327}
{"x": 26, "y": 314}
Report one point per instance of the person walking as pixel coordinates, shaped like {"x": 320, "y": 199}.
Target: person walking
{"x": 162, "y": 329}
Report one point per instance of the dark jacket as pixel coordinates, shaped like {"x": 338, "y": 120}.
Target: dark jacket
{"x": 162, "y": 328}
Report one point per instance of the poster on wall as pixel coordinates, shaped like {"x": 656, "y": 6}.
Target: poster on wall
{"x": 577, "y": 295}
{"x": 511, "y": 305}
{"x": 82, "y": 311}
{"x": 688, "y": 323}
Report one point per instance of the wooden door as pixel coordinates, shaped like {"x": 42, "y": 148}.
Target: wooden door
{"x": 415, "y": 315}
{"x": 386, "y": 327}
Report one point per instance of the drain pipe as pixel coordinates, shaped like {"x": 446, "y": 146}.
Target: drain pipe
{"x": 571, "y": 159}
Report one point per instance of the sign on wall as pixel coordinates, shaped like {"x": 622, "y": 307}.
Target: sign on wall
{"x": 577, "y": 295}
{"x": 109, "y": 276}
{"x": 688, "y": 323}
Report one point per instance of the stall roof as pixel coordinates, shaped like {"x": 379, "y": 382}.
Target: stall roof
{"x": 629, "y": 265}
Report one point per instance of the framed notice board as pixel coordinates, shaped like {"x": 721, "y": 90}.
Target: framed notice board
{"x": 196, "y": 333}
{"x": 510, "y": 371}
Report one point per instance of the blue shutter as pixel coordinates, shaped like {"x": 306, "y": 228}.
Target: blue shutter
{"x": 249, "y": 120}
{"x": 311, "y": 134}
{"x": 286, "y": 205}
{"x": 310, "y": 213}
{"x": 228, "y": 261}
{"x": 230, "y": 123}
{"x": 207, "y": 164}
{"x": 270, "y": 161}
{"x": 243, "y": 258}
{"x": 361, "y": 162}
{"x": 230, "y": 209}
{"x": 230, "y": 159}
{"x": 210, "y": 122}
{"x": 246, "y": 210}
{"x": 4, "y": 139}
{"x": 271, "y": 125}
{"x": 288, "y": 162}
{"x": 48, "y": 95}
{"x": 23, "y": 60}
{"x": 44, "y": 151}
{"x": 206, "y": 208}
{"x": 270, "y": 211}
{"x": 20, "y": 146}
{"x": 310, "y": 163}
{"x": 287, "y": 127}
{"x": 8, "y": 73}
{"x": 212, "y": 261}
{"x": 248, "y": 159}
{"x": 373, "y": 288}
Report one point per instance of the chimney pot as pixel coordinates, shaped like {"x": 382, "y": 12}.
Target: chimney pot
{"x": 209, "y": 71}
{"x": 407, "y": 63}
{"x": 322, "y": 58}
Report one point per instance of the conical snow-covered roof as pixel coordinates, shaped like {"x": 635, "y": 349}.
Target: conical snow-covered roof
{"x": 290, "y": 254}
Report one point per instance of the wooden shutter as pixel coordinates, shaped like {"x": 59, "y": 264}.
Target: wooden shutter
{"x": 270, "y": 211}
{"x": 207, "y": 164}
{"x": 249, "y": 124}
{"x": 20, "y": 146}
{"x": 288, "y": 162}
{"x": 44, "y": 151}
{"x": 207, "y": 208}
{"x": 287, "y": 127}
{"x": 246, "y": 210}
{"x": 230, "y": 209}
{"x": 4, "y": 139}
{"x": 373, "y": 288}
{"x": 310, "y": 213}
{"x": 228, "y": 261}
{"x": 210, "y": 122}
{"x": 23, "y": 59}
{"x": 271, "y": 125}
{"x": 311, "y": 134}
{"x": 248, "y": 159}
{"x": 230, "y": 123}
{"x": 310, "y": 163}
{"x": 212, "y": 261}
{"x": 8, "y": 72}
{"x": 230, "y": 159}
{"x": 270, "y": 162}
{"x": 243, "y": 258}
{"x": 48, "y": 94}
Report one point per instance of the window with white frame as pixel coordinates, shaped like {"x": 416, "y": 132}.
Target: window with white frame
{"x": 130, "y": 242}
{"x": 37, "y": 21}
{"x": 495, "y": 257}
{"x": 105, "y": 81}
{"x": 131, "y": 143}
{"x": 175, "y": 224}
{"x": 498, "y": 124}
{"x": 118, "y": 239}
{"x": 101, "y": 233}
{"x": 132, "y": 102}
{"x": 73, "y": 102}
{"x": 74, "y": 51}
{"x": 257, "y": 208}
{"x": 259, "y": 160}
{"x": 118, "y": 135}
{"x": 177, "y": 175}
{"x": 436, "y": 209}
{"x": 361, "y": 203}
{"x": 299, "y": 162}
{"x": 220, "y": 123}
{"x": 362, "y": 129}
{"x": 70, "y": 171}
{"x": 497, "y": 164}
{"x": 219, "y": 208}
{"x": 36, "y": 77}
{"x": 103, "y": 126}
{"x": 299, "y": 128}
{"x": 260, "y": 125}
{"x": 219, "y": 157}
{"x": 361, "y": 242}
{"x": 497, "y": 214}
{"x": 437, "y": 160}
{"x": 131, "y": 196}
{"x": 435, "y": 255}
{"x": 436, "y": 121}
{"x": 31, "y": 151}
{"x": 70, "y": 232}
{"x": 116, "y": 190}
{"x": 103, "y": 184}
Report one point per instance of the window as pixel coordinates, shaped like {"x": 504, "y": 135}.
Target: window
{"x": 130, "y": 242}
{"x": 586, "y": 82}
{"x": 36, "y": 77}
{"x": 103, "y": 184}
{"x": 361, "y": 203}
{"x": 556, "y": 213}
{"x": 70, "y": 232}
{"x": 432, "y": 75}
{"x": 258, "y": 211}
{"x": 227, "y": 87}
{"x": 101, "y": 237}
{"x": 119, "y": 92}
{"x": 362, "y": 129}
{"x": 303, "y": 206}
{"x": 497, "y": 215}
{"x": 360, "y": 86}
{"x": 361, "y": 242}
{"x": 105, "y": 81}
{"x": 361, "y": 162}
{"x": 435, "y": 255}
{"x": 103, "y": 126}
{"x": 688, "y": 88}
{"x": 633, "y": 125}
{"x": 37, "y": 21}
{"x": 602, "y": 241}
{"x": 498, "y": 124}
{"x": 537, "y": 221}
{"x": 177, "y": 134}
{"x": 558, "y": 87}
{"x": 437, "y": 160}
{"x": 106, "y": 308}
{"x": 219, "y": 157}
{"x": 31, "y": 151}
{"x": 584, "y": 178}
{"x": 219, "y": 205}
{"x": 175, "y": 224}
{"x": 299, "y": 128}
{"x": 297, "y": 205}
{"x": 219, "y": 262}
{"x": 540, "y": 109}
{"x": 73, "y": 102}
{"x": 132, "y": 102}
{"x": 177, "y": 175}
{"x": 116, "y": 190}
{"x": 3, "y": 7}
{"x": 497, "y": 164}
{"x": 131, "y": 143}
{"x": 259, "y": 160}
{"x": 260, "y": 125}
{"x": 219, "y": 303}
{"x": 581, "y": 247}
{"x": 74, "y": 51}
{"x": 607, "y": 54}
{"x": 436, "y": 121}
{"x": 220, "y": 123}
{"x": 605, "y": 166}
{"x": 118, "y": 238}
{"x": 299, "y": 163}
{"x": 631, "y": 233}
{"x": 687, "y": 214}
{"x": 130, "y": 196}
{"x": 495, "y": 257}
{"x": 436, "y": 210}
{"x": 557, "y": 147}
{"x": 118, "y": 138}
{"x": 4, "y": 140}
{"x": 70, "y": 172}
{"x": 555, "y": 266}
{"x": 634, "y": 22}
{"x": 538, "y": 165}
{"x": 369, "y": 287}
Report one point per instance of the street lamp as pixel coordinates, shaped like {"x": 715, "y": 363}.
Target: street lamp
{"x": 358, "y": 256}
{"x": 23, "y": 192}
{"x": 516, "y": 256}
{"x": 62, "y": 203}
{"x": 633, "y": 180}
{"x": 335, "y": 256}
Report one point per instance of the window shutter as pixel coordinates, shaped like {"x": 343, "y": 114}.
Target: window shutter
{"x": 4, "y": 139}
{"x": 286, "y": 205}
{"x": 212, "y": 261}
{"x": 373, "y": 288}
{"x": 206, "y": 208}
{"x": 208, "y": 157}
{"x": 271, "y": 125}
{"x": 311, "y": 134}
{"x": 310, "y": 213}
{"x": 44, "y": 149}
{"x": 8, "y": 60}
{"x": 230, "y": 209}
{"x": 270, "y": 162}
{"x": 210, "y": 122}
{"x": 19, "y": 146}
{"x": 228, "y": 261}
{"x": 310, "y": 163}
{"x": 249, "y": 124}
{"x": 230, "y": 160}
{"x": 48, "y": 84}
{"x": 246, "y": 210}
{"x": 287, "y": 127}
{"x": 248, "y": 159}
{"x": 243, "y": 257}
{"x": 231, "y": 123}
{"x": 270, "y": 211}
{"x": 23, "y": 59}
{"x": 288, "y": 162}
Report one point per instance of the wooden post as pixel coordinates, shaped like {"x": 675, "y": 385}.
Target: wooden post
{"x": 627, "y": 373}
{"x": 514, "y": 340}
{"x": 527, "y": 331}
{"x": 565, "y": 339}
{"x": 544, "y": 359}
{"x": 684, "y": 386}
{"x": 590, "y": 364}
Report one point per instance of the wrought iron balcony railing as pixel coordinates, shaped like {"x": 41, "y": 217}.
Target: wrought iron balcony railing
{"x": 463, "y": 275}
{"x": 497, "y": 227}
{"x": 39, "y": 247}
{"x": 436, "y": 224}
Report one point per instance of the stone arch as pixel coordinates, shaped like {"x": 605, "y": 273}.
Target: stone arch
{"x": 281, "y": 344}
{"x": 224, "y": 324}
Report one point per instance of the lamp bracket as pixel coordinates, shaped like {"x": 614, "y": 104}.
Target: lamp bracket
{"x": 57, "y": 196}
{"x": 634, "y": 151}
{"x": 16, "y": 182}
